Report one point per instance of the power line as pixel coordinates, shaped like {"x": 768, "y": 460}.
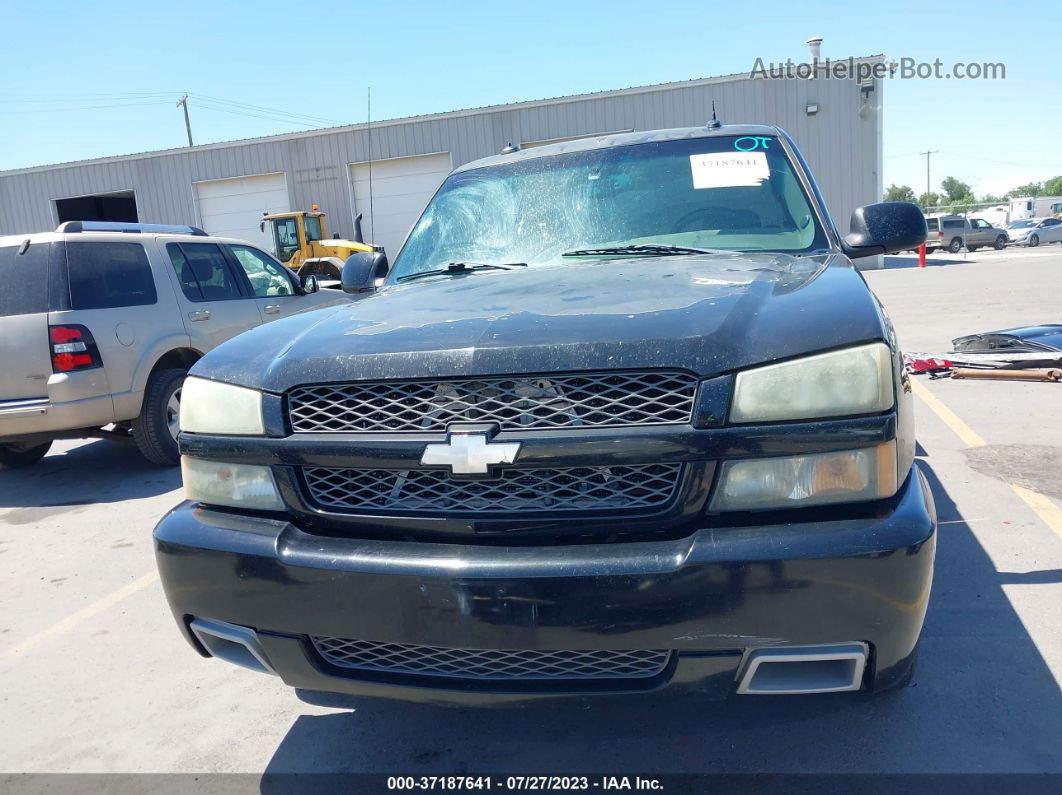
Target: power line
{"x": 83, "y": 99}
{"x": 261, "y": 108}
{"x": 979, "y": 158}
{"x": 36, "y": 95}
{"x": 1003, "y": 162}
{"x": 86, "y": 107}
{"x": 72, "y": 102}
{"x": 257, "y": 116}
{"x": 15, "y": 99}
{"x": 259, "y": 112}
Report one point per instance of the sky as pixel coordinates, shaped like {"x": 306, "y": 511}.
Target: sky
{"x": 81, "y": 80}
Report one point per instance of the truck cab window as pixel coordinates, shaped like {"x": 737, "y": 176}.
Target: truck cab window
{"x": 285, "y": 238}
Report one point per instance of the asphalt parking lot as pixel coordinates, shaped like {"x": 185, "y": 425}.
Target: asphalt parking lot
{"x": 94, "y": 676}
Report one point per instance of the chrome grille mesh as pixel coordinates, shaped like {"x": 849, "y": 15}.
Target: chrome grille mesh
{"x": 502, "y": 664}
{"x": 514, "y": 490}
{"x": 516, "y": 403}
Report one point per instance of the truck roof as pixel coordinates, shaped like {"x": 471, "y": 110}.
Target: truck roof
{"x": 620, "y": 139}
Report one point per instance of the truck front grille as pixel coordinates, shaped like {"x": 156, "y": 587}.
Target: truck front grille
{"x": 514, "y": 490}
{"x": 525, "y": 402}
{"x": 481, "y": 664}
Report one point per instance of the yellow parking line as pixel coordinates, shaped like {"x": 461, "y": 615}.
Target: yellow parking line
{"x": 82, "y": 615}
{"x": 1049, "y": 513}
{"x": 948, "y": 417}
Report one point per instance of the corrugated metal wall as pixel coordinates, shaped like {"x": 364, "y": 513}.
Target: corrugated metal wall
{"x": 841, "y": 143}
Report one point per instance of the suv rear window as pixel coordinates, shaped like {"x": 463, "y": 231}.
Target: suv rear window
{"x": 25, "y": 280}
{"x": 931, "y": 224}
{"x": 109, "y": 275}
{"x": 953, "y": 224}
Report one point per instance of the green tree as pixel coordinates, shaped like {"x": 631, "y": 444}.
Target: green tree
{"x": 991, "y": 198}
{"x": 1031, "y": 189}
{"x": 929, "y": 201}
{"x": 966, "y": 204}
{"x": 1053, "y": 186}
{"x": 956, "y": 190}
{"x": 899, "y": 193}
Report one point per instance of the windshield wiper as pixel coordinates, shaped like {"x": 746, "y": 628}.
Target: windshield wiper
{"x": 649, "y": 249}
{"x": 461, "y": 267}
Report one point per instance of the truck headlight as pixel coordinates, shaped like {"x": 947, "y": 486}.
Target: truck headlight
{"x": 850, "y": 381}
{"x": 214, "y": 407}
{"x": 800, "y": 481}
{"x": 235, "y": 485}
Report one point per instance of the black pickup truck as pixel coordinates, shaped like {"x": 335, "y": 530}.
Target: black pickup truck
{"x": 622, "y": 416}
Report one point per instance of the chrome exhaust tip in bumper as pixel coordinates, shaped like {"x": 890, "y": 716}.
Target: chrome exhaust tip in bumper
{"x": 232, "y": 643}
{"x": 792, "y": 670}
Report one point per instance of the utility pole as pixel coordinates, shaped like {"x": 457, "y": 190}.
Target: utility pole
{"x": 183, "y": 103}
{"x": 927, "y": 154}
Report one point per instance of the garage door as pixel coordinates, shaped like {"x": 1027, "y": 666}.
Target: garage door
{"x": 400, "y": 189}
{"x": 234, "y": 207}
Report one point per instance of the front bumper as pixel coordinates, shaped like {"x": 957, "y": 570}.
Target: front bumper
{"x": 708, "y": 597}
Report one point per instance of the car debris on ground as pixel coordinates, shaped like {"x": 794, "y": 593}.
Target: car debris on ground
{"x": 1029, "y": 353}
{"x": 1049, "y": 374}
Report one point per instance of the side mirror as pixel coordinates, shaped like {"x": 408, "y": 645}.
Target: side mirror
{"x": 309, "y": 284}
{"x": 885, "y": 228}
{"x": 362, "y": 269}
{"x": 261, "y": 226}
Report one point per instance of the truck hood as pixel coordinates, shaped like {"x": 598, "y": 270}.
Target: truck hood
{"x": 709, "y": 314}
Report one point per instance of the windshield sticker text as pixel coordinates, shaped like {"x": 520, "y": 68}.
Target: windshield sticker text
{"x": 729, "y": 169}
{"x": 749, "y": 143}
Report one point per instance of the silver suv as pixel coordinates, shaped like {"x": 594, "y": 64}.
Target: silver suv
{"x": 952, "y": 232}
{"x": 99, "y": 323}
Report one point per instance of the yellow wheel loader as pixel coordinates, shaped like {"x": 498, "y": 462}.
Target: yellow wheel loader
{"x": 300, "y": 241}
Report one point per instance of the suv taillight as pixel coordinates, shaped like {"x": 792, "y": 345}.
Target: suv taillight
{"x": 73, "y": 349}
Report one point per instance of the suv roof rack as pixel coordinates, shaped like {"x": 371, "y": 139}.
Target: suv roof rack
{"x": 121, "y": 226}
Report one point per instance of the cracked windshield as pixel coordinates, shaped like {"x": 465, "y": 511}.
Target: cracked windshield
{"x": 734, "y": 193}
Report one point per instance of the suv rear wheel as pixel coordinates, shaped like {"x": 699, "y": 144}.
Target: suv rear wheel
{"x": 16, "y": 456}
{"x": 955, "y": 245}
{"x": 155, "y": 430}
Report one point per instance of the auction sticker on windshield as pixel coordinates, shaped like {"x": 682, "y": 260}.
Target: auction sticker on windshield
{"x": 729, "y": 169}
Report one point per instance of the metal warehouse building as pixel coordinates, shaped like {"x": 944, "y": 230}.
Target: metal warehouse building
{"x": 225, "y": 187}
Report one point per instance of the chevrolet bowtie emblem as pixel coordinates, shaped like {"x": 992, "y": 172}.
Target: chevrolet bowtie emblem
{"x": 469, "y": 454}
